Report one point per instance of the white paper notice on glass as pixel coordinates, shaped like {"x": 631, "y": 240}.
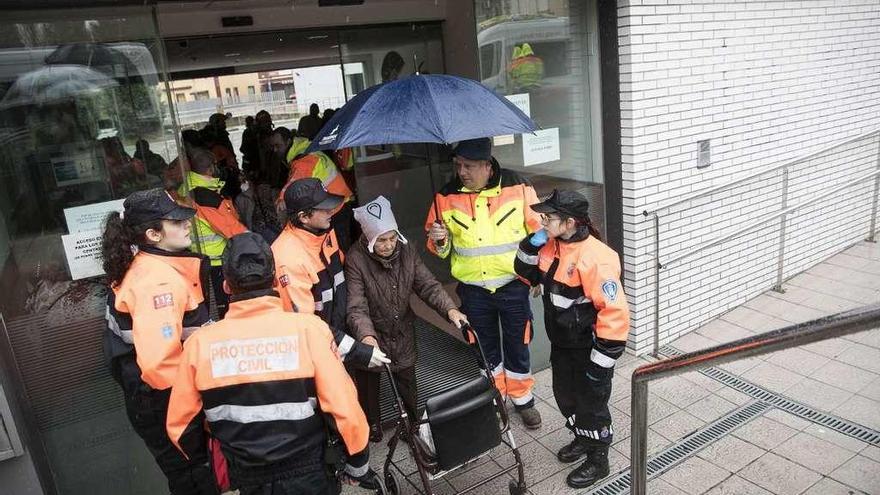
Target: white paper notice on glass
{"x": 83, "y": 252}
{"x": 90, "y": 217}
{"x": 502, "y": 140}
{"x": 541, "y": 147}
{"x": 521, "y": 100}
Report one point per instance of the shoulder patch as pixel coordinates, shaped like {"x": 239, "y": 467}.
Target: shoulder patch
{"x": 163, "y": 300}
{"x": 167, "y": 331}
{"x": 609, "y": 289}
{"x": 284, "y": 280}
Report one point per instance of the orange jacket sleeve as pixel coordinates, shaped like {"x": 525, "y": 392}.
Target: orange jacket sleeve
{"x": 303, "y": 168}
{"x": 601, "y": 282}
{"x": 336, "y": 392}
{"x": 157, "y": 325}
{"x": 183, "y": 422}
{"x": 295, "y": 286}
{"x": 532, "y": 218}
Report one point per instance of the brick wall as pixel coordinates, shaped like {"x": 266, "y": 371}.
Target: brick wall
{"x": 766, "y": 82}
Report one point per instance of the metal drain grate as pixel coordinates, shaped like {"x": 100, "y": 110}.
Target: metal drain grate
{"x": 684, "y": 448}
{"x": 854, "y": 430}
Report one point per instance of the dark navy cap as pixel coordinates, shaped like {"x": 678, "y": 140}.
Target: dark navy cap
{"x": 474, "y": 149}
{"x": 153, "y": 204}
{"x": 568, "y": 203}
{"x": 248, "y": 262}
{"x": 307, "y": 194}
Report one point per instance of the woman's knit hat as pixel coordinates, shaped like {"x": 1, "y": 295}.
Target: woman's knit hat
{"x": 376, "y": 218}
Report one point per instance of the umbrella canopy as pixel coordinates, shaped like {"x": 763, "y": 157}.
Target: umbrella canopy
{"x": 55, "y": 83}
{"x": 98, "y": 56}
{"x": 422, "y": 109}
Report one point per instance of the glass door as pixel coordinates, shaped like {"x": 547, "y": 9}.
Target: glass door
{"x": 79, "y": 106}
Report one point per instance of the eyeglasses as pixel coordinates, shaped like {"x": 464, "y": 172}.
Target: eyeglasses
{"x": 547, "y": 218}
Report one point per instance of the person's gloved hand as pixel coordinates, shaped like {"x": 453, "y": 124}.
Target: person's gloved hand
{"x": 457, "y": 317}
{"x": 378, "y": 358}
{"x": 539, "y": 238}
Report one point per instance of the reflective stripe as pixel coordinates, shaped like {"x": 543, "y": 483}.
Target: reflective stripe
{"x": 487, "y": 250}
{"x": 282, "y": 411}
{"x": 492, "y": 283}
{"x": 326, "y": 296}
{"x": 345, "y": 346}
{"x": 209, "y": 237}
{"x": 113, "y": 325}
{"x": 498, "y": 370}
{"x": 520, "y": 401}
{"x": 563, "y": 302}
{"x": 187, "y": 331}
{"x": 329, "y": 174}
{"x": 356, "y": 472}
{"x": 525, "y": 258}
{"x": 517, "y": 376}
{"x": 601, "y": 359}
{"x": 594, "y": 434}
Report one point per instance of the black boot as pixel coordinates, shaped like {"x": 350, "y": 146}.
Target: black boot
{"x": 574, "y": 450}
{"x": 591, "y": 471}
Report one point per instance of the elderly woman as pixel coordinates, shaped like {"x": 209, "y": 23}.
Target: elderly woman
{"x": 382, "y": 272}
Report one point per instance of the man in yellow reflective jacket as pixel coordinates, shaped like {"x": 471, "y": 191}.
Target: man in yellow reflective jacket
{"x": 526, "y": 70}
{"x": 216, "y": 218}
{"x": 484, "y": 214}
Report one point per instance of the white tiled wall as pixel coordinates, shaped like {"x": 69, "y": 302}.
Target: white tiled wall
{"x": 766, "y": 82}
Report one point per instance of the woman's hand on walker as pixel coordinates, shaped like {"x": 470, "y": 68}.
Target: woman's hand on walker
{"x": 457, "y": 317}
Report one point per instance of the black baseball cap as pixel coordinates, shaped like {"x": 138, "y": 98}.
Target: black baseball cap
{"x": 307, "y": 194}
{"x": 569, "y": 203}
{"x": 474, "y": 149}
{"x": 248, "y": 262}
{"x": 153, "y": 204}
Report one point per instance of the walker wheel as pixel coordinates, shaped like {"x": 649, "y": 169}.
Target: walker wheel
{"x": 516, "y": 488}
{"x": 392, "y": 487}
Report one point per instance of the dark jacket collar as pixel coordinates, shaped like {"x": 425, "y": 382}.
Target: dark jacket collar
{"x": 252, "y": 294}
{"x": 583, "y": 232}
{"x": 162, "y": 252}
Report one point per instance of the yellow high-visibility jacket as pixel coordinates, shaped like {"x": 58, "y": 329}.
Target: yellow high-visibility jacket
{"x": 485, "y": 227}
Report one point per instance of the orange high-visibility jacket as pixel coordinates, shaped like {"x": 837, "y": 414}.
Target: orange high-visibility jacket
{"x": 263, "y": 378}
{"x": 582, "y": 294}
{"x": 158, "y": 304}
{"x": 321, "y": 167}
{"x": 311, "y": 280}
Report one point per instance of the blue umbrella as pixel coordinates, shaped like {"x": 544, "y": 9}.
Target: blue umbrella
{"x": 422, "y": 109}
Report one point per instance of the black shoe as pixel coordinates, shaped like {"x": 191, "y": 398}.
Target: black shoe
{"x": 375, "y": 433}
{"x": 531, "y": 417}
{"x": 591, "y": 471}
{"x": 573, "y": 451}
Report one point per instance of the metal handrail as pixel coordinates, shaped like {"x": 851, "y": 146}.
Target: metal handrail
{"x": 757, "y": 226}
{"x": 781, "y": 216}
{"x": 728, "y": 185}
{"x": 828, "y": 327}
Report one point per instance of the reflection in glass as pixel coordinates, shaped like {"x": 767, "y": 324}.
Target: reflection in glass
{"x": 77, "y": 96}
{"x": 540, "y": 54}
